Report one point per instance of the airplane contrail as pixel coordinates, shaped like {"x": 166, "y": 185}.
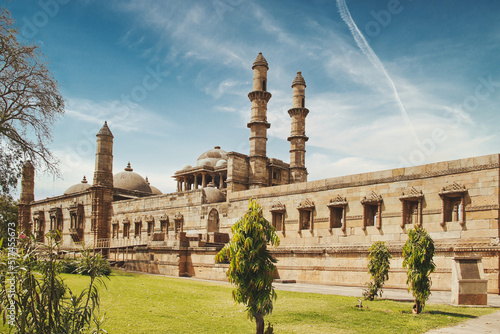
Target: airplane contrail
{"x": 370, "y": 54}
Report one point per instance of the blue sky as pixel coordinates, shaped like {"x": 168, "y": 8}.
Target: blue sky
{"x": 421, "y": 85}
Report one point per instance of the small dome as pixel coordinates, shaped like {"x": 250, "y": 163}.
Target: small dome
{"x": 212, "y": 157}
{"x": 154, "y": 190}
{"x": 213, "y": 195}
{"x": 299, "y": 80}
{"x": 260, "y": 61}
{"x": 129, "y": 180}
{"x": 82, "y": 186}
{"x": 186, "y": 166}
{"x": 221, "y": 163}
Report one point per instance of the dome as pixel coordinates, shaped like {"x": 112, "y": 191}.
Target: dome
{"x": 154, "y": 190}
{"x": 186, "y": 166}
{"x": 82, "y": 186}
{"x": 299, "y": 80}
{"x": 129, "y": 180}
{"x": 212, "y": 157}
{"x": 213, "y": 195}
{"x": 221, "y": 163}
{"x": 260, "y": 61}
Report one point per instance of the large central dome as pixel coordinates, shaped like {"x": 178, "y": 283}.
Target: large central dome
{"x": 212, "y": 157}
{"x": 130, "y": 180}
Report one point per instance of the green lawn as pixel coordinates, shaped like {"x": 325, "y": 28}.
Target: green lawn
{"x": 139, "y": 303}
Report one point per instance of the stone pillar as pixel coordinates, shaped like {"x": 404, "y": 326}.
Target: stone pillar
{"x": 221, "y": 181}
{"x": 298, "y": 138}
{"x": 258, "y": 124}
{"x": 195, "y": 181}
{"x": 203, "y": 180}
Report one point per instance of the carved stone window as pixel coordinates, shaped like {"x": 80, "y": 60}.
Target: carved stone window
{"x": 76, "y": 222}
{"x": 114, "y": 230}
{"x": 372, "y": 210}
{"x": 56, "y": 220}
{"x": 39, "y": 225}
{"x": 453, "y": 203}
{"x": 306, "y": 209}
{"x": 278, "y": 216}
{"x": 337, "y": 208}
{"x": 178, "y": 223}
{"x": 164, "y": 224}
{"x": 126, "y": 228}
{"x": 137, "y": 227}
{"x": 151, "y": 225}
{"x": 411, "y": 200}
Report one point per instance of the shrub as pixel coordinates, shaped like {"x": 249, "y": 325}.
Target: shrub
{"x": 378, "y": 267}
{"x": 418, "y": 253}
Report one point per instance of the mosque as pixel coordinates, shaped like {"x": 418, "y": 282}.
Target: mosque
{"x": 325, "y": 226}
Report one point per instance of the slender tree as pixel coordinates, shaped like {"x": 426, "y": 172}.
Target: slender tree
{"x": 418, "y": 254}
{"x": 29, "y": 105}
{"x": 251, "y": 266}
{"x": 378, "y": 268}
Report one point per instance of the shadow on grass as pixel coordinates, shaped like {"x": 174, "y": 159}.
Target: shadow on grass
{"x": 450, "y": 314}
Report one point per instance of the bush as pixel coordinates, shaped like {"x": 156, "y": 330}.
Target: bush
{"x": 41, "y": 302}
{"x": 81, "y": 266}
{"x": 418, "y": 253}
{"x": 69, "y": 266}
{"x": 378, "y": 267}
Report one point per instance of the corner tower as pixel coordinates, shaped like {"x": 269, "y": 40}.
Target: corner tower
{"x": 27, "y": 196}
{"x": 258, "y": 124}
{"x": 103, "y": 174}
{"x": 298, "y": 138}
{"x": 102, "y": 188}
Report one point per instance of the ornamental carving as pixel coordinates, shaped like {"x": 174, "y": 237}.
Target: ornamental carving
{"x": 372, "y": 198}
{"x": 306, "y": 204}
{"x": 411, "y": 193}
{"x": 149, "y": 219}
{"x": 163, "y": 218}
{"x": 453, "y": 189}
{"x": 278, "y": 207}
{"x": 337, "y": 201}
{"x": 178, "y": 216}
{"x": 137, "y": 220}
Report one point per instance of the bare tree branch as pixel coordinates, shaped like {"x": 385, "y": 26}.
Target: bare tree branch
{"x": 30, "y": 103}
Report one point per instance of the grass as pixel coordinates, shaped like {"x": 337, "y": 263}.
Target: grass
{"x": 141, "y": 303}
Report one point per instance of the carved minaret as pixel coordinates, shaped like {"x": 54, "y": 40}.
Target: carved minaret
{"x": 102, "y": 189}
{"x": 27, "y": 196}
{"x": 298, "y": 138}
{"x": 258, "y": 124}
{"x": 103, "y": 174}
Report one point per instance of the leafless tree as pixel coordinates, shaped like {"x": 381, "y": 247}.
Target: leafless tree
{"x": 30, "y": 103}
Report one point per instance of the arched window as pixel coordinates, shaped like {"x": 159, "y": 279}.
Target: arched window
{"x": 264, "y": 86}
{"x": 303, "y": 102}
{"x": 213, "y": 221}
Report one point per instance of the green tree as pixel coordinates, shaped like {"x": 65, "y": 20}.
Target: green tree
{"x": 29, "y": 105}
{"x": 418, "y": 254}
{"x": 33, "y": 296}
{"x": 8, "y": 216}
{"x": 251, "y": 266}
{"x": 378, "y": 267}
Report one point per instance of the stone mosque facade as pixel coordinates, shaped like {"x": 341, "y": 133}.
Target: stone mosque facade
{"x": 325, "y": 226}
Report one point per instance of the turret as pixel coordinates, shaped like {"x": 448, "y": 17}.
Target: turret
{"x": 298, "y": 138}
{"x": 103, "y": 174}
{"x": 258, "y": 124}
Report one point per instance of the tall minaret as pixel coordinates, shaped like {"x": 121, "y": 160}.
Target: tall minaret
{"x": 103, "y": 174}
{"x": 102, "y": 188}
{"x": 258, "y": 176}
{"x": 298, "y": 138}
{"x": 27, "y": 196}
